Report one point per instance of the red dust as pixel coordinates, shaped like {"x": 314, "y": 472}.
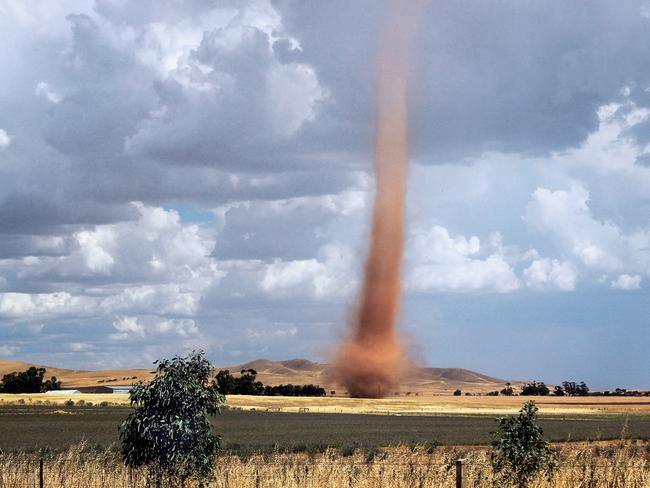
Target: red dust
{"x": 369, "y": 363}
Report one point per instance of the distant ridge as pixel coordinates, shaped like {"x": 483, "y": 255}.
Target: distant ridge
{"x": 427, "y": 381}
{"x": 419, "y": 380}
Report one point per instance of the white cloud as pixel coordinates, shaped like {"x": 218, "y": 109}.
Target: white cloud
{"x": 546, "y": 274}
{"x": 47, "y": 91}
{"x": 439, "y": 262}
{"x": 5, "y": 139}
{"x": 181, "y": 327}
{"x": 627, "y": 282}
{"x": 6, "y": 350}
{"x": 324, "y": 278}
{"x": 127, "y": 326}
{"x": 276, "y": 333}
{"x": 601, "y": 245}
{"x": 44, "y": 305}
{"x": 92, "y": 245}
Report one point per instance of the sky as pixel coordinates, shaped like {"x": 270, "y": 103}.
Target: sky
{"x": 198, "y": 174}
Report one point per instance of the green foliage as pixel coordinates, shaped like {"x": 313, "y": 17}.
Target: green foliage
{"x": 575, "y": 389}
{"x": 247, "y": 384}
{"x": 508, "y": 390}
{"x": 169, "y": 430}
{"x": 558, "y": 391}
{"x": 51, "y": 384}
{"x": 69, "y": 403}
{"x": 535, "y": 389}
{"x": 519, "y": 451}
{"x": 28, "y": 381}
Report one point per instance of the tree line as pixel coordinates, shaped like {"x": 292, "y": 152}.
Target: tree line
{"x": 247, "y": 384}
{"x": 30, "y": 381}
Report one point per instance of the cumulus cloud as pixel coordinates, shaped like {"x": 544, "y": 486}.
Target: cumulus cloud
{"x": 550, "y": 274}
{"x": 601, "y": 245}
{"x": 127, "y": 326}
{"x": 627, "y": 282}
{"x": 439, "y": 262}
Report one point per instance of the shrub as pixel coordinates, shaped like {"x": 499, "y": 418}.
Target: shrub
{"x": 508, "y": 390}
{"x": 69, "y": 403}
{"x": 535, "y": 389}
{"x": 169, "y": 430}
{"x": 457, "y": 393}
{"x": 519, "y": 451}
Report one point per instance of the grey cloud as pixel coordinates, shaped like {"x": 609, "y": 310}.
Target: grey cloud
{"x": 521, "y": 77}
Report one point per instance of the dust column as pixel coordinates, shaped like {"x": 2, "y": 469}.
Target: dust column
{"x": 370, "y": 361}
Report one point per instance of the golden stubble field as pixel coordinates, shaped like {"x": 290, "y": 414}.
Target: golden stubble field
{"x": 411, "y": 405}
{"x": 617, "y": 464}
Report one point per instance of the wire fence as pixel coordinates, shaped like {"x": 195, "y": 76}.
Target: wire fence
{"x": 38, "y": 473}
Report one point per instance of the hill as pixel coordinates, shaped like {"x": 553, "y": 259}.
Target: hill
{"x": 427, "y": 381}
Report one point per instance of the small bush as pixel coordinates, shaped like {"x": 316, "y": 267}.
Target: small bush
{"x": 169, "y": 431}
{"x": 69, "y": 403}
{"x": 519, "y": 451}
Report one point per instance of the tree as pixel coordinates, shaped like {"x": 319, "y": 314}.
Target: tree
{"x": 52, "y": 384}
{"x": 457, "y": 393}
{"x": 575, "y": 389}
{"x": 508, "y": 391}
{"x": 28, "y": 381}
{"x": 226, "y": 382}
{"x": 519, "y": 451}
{"x": 558, "y": 391}
{"x": 535, "y": 389}
{"x": 169, "y": 430}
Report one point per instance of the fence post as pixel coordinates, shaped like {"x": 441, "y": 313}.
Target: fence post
{"x": 41, "y": 483}
{"x": 459, "y": 473}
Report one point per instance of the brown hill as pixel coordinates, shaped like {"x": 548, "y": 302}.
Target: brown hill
{"x": 424, "y": 381}
{"x": 418, "y": 380}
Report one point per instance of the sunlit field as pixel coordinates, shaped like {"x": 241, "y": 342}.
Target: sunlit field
{"x": 448, "y": 404}
{"x": 394, "y": 405}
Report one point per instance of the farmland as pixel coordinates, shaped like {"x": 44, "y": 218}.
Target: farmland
{"x": 55, "y": 427}
{"x": 412, "y": 405}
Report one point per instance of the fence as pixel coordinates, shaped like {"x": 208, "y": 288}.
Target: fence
{"x": 329, "y": 472}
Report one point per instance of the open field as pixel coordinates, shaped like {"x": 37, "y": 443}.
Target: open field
{"x": 594, "y": 466}
{"x": 448, "y": 404}
{"x": 55, "y": 427}
{"x": 412, "y": 405}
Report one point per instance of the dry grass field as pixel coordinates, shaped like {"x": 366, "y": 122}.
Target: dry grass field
{"x": 60, "y": 399}
{"x": 447, "y": 404}
{"x": 619, "y": 464}
{"x": 405, "y": 405}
